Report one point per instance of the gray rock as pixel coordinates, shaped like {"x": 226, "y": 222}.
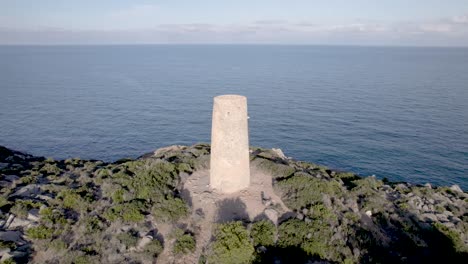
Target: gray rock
{"x": 300, "y": 216}
{"x": 402, "y": 187}
{"x": 262, "y": 249}
{"x": 326, "y": 200}
{"x": 23, "y": 223}
{"x": 456, "y": 188}
{"x": 447, "y": 213}
{"x": 11, "y": 178}
{"x": 33, "y": 215}
{"x": 305, "y": 211}
{"x": 431, "y": 201}
{"x": 442, "y": 218}
{"x": 144, "y": 241}
{"x": 429, "y": 217}
{"x": 4, "y": 251}
{"x": 44, "y": 197}
{"x": 272, "y": 215}
{"x": 352, "y": 204}
{"x": 425, "y": 208}
{"x": 14, "y": 236}
{"x": 356, "y": 252}
{"x": 9, "y": 220}
{"x": 428, "y": 185}
{"x": 279, "y": 153}
{"x": 28, "y": 190}
{"x": 14, "y": 254}
{"x": 448, "y": 224}
{"x": 266, "y": 199}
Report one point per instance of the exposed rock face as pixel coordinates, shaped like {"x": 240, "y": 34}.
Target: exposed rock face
{"x": 161, "y": 206}
{"x": 229, "y": 166}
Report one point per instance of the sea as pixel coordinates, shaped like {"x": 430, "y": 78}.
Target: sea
{"x": 399, "y": 113}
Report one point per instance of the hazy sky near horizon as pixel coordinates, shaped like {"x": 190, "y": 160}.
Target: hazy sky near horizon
{"x": 342, "y": 22}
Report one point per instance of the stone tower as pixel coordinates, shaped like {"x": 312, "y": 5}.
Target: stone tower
{"x": 229, "y": 165}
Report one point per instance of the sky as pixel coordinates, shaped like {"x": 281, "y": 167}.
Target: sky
{"x": 321, "y": 22}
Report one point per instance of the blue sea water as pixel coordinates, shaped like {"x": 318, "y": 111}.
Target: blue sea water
{"x": 396, "y": 112}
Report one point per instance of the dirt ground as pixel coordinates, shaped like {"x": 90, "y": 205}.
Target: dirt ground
{"x": 210, "y": 207}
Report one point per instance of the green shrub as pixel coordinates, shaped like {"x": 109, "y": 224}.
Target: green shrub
{"x": 231, "y": 245}
{"x": 58, "y": 245}
{"x": 277, "y": 170}
{"x": 458, "y": 243}
{"x": 184, "y": 167}
{"x": 52, "y": 216}
{"x": 83, "y": 259}
{"x": 263, "y": 233}
{"x": 128, "y": 212}
{"x": 366, "y": 186}
{"x": 3, "y": 201}
{"x": 28, "y": 179}
{"x": 7, "y": 244}
{"x": 184, "y": 244}
{"x": 117, "y": 197}
{"x": 292, "y": 233}
{"x": 129, "y": 239}
{"x": 319, "y": 212}
{"x": 51, "y": 169}
{"x": 170, "y": 209}
{"x": 40, "y": 232}
{"x": 8, "y": 261}
{"x": 132, "y": 214}
{"x": 312, "y": 237}
{"x": 303, "y": 190}
{"x": 93, "y": 224}
{"x": 72, "y": 200}
{"x": 153, "y": 179}
{"x": 153, "y": 249}
{"x": 21, "y": 207}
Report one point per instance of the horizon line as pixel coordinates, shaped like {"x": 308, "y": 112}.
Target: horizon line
{"x": 233, "y": 44}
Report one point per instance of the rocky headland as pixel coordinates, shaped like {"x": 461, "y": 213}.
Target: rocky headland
{"x": 159, "y": 209}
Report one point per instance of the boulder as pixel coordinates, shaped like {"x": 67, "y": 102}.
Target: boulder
{"x": 22, "y": 223}
{"x": 14, "y": 254}
{"x": 272, "y": 215}
{"x": 33, "y": 215}
{"x": 279, "y": 152}
{"x": 144, "y": 241}
{"x": 28, "y": 190}
{"x": 13, "y": 236}
{"x": 429, "y": 217}
{"x": 11, "y": 178}
{"x": 456, "y": 188}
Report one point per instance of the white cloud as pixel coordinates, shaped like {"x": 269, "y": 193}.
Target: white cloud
{"x": 460, "y": 19}
{"x": 447, "y": 31}
{"x": 439, "y": 28}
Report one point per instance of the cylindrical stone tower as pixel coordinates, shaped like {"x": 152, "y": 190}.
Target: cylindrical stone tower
{"x": 229, "y": 166}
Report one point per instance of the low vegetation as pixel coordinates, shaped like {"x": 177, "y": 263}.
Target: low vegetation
{"x": 133, "y": 211}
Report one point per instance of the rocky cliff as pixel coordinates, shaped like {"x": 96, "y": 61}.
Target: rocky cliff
{"x": 159, "y": 208}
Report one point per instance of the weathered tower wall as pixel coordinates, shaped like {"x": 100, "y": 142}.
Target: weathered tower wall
{"x": 229, "y": 165}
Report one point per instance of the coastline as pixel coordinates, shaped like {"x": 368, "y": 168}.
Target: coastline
{"x": 356, "y": 219}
